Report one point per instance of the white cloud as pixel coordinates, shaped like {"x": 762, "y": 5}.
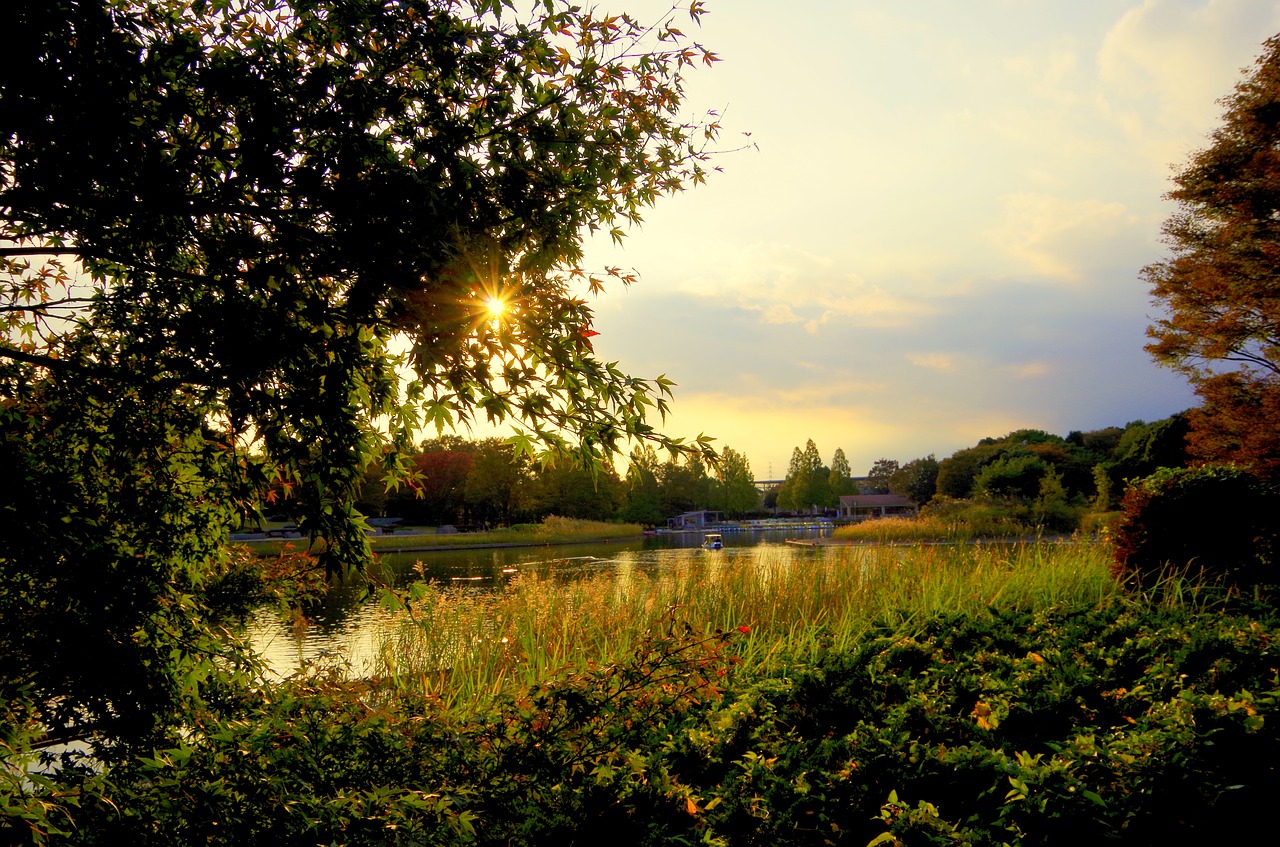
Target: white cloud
{"x": 933, "y": 361}
{"x": 1033, "y": 370}
{"x": 1165, "y": 63}
{"x": 789, "y": 285}
{"x": 1058, "y": 238}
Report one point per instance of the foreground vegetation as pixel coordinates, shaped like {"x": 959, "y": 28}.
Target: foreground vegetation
{"x": 911, "y": 696}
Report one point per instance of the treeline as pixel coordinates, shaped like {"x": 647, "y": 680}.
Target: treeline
{"x": 484, "y": 483}
{"x": 1059, "y": 478}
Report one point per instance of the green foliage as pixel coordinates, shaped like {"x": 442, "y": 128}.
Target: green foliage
{"x": 684, "y": 485}
{"x": 112, "y": 550}
{"x": 219, "y": 221}
{"x": 1073, "y": 459}
{"x": 808, "y": 483}
{"x": 1215, "y": 522}
{"x": 956, "y": 473}
{"x": 1012, "y": 477}
{"x": 643, "y": 496}
{"x": 1111, "y": 724}
{"x": 917, "y": 480}
{"x": 1118, "y": 722}
{"x": 880, "y": 475}
{"x": 734, "y": 488}
{"x": 322, "y": 761}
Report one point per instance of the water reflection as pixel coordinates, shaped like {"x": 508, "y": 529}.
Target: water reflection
{"x": 350, "y": 623}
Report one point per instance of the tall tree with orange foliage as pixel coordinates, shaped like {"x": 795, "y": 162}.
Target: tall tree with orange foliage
{"x": 1221, "y": 287}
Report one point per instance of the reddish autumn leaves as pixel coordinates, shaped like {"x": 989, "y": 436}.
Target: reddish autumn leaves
{"x": 1221, "y": 287}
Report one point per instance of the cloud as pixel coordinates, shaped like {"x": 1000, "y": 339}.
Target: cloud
{"x": 1033, "y": 370}
{"x": 933, "y": 361}
{"x": 1165, "y": 63}
{"x": 1058, "y": 238}
{"x": 785, "y": 284}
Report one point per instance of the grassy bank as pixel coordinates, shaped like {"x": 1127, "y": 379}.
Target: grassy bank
{"x": 553, "y": 530}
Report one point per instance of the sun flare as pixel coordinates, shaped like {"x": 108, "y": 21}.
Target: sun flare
{"x": 495, "y": 306}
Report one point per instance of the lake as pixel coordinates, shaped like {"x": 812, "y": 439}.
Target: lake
{"x": 349, "y": 627}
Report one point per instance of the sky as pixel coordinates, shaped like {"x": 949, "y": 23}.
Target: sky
{"x": 937, "y": 230}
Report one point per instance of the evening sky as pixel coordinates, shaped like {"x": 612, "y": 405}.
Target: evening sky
{"x": 936, "y": 230}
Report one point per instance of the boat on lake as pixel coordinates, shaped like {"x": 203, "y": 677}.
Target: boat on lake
{"x": 712, "y": 541}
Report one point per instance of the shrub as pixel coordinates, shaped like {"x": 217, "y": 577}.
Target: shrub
{"x": 1214, "y": 523}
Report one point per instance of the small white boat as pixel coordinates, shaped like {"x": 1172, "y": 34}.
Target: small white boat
{"x": 712, "y": 541}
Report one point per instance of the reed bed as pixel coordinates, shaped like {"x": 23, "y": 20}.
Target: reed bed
{"x": 465, "y": 646}
{"x": 933, "y": 528}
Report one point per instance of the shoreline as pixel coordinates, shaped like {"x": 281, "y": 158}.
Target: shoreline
{"x": 443, "y": 548}
{"x": 929, "y": 542}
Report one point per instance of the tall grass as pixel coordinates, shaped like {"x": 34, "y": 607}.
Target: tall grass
{"x": 466, "y": 646}
{"x": 935, "y": 528}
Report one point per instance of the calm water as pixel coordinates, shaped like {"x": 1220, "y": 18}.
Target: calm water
{"x": 348, "y": 627}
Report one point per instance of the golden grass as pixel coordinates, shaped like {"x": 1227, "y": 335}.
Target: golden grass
{"x": 931, "y": 528}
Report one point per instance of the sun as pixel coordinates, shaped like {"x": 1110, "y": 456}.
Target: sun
{"x": 496, "y": 306}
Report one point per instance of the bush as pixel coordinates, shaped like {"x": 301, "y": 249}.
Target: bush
{"x": 1213, "y": 523}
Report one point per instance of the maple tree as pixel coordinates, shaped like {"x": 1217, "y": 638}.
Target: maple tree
{"x": 227, "y": 232}
{"x": 1221, "y": 286}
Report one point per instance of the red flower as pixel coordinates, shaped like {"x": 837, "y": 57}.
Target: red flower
{"x": 744, "y": 629}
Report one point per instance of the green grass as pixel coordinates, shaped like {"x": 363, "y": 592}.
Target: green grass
{"x": 466, "y": 647}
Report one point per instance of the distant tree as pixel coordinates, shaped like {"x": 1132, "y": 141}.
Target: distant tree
{"x": 498, "y": 483}
{"x": 1099, "y": 443}
{"x": 771, "y": 498}
{"x": 957, "y": 471}
{"x": 570, "y": 490}
{"x": 1012, "y": 477}
{"x": 1104, "y": 499}
{"x": 437, "y": 493}
{"x": 1221, "y": 288}
{"x": 642, "y": 500}
{"x": 1145, "y": 447}
{"x": 882, "y": 470}
{"x": 372, "y": 499}
{"x": 812, "y": 488}
{"x": 684, "y": 485}
{"x": 917, "y": 480}
{"x": 794, "y": 492}
{"x": 782, "y": 498}
{"x": 735, "y": 487}
{"x": 840, "y": 480}
{"x": 1051, "y": 509}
